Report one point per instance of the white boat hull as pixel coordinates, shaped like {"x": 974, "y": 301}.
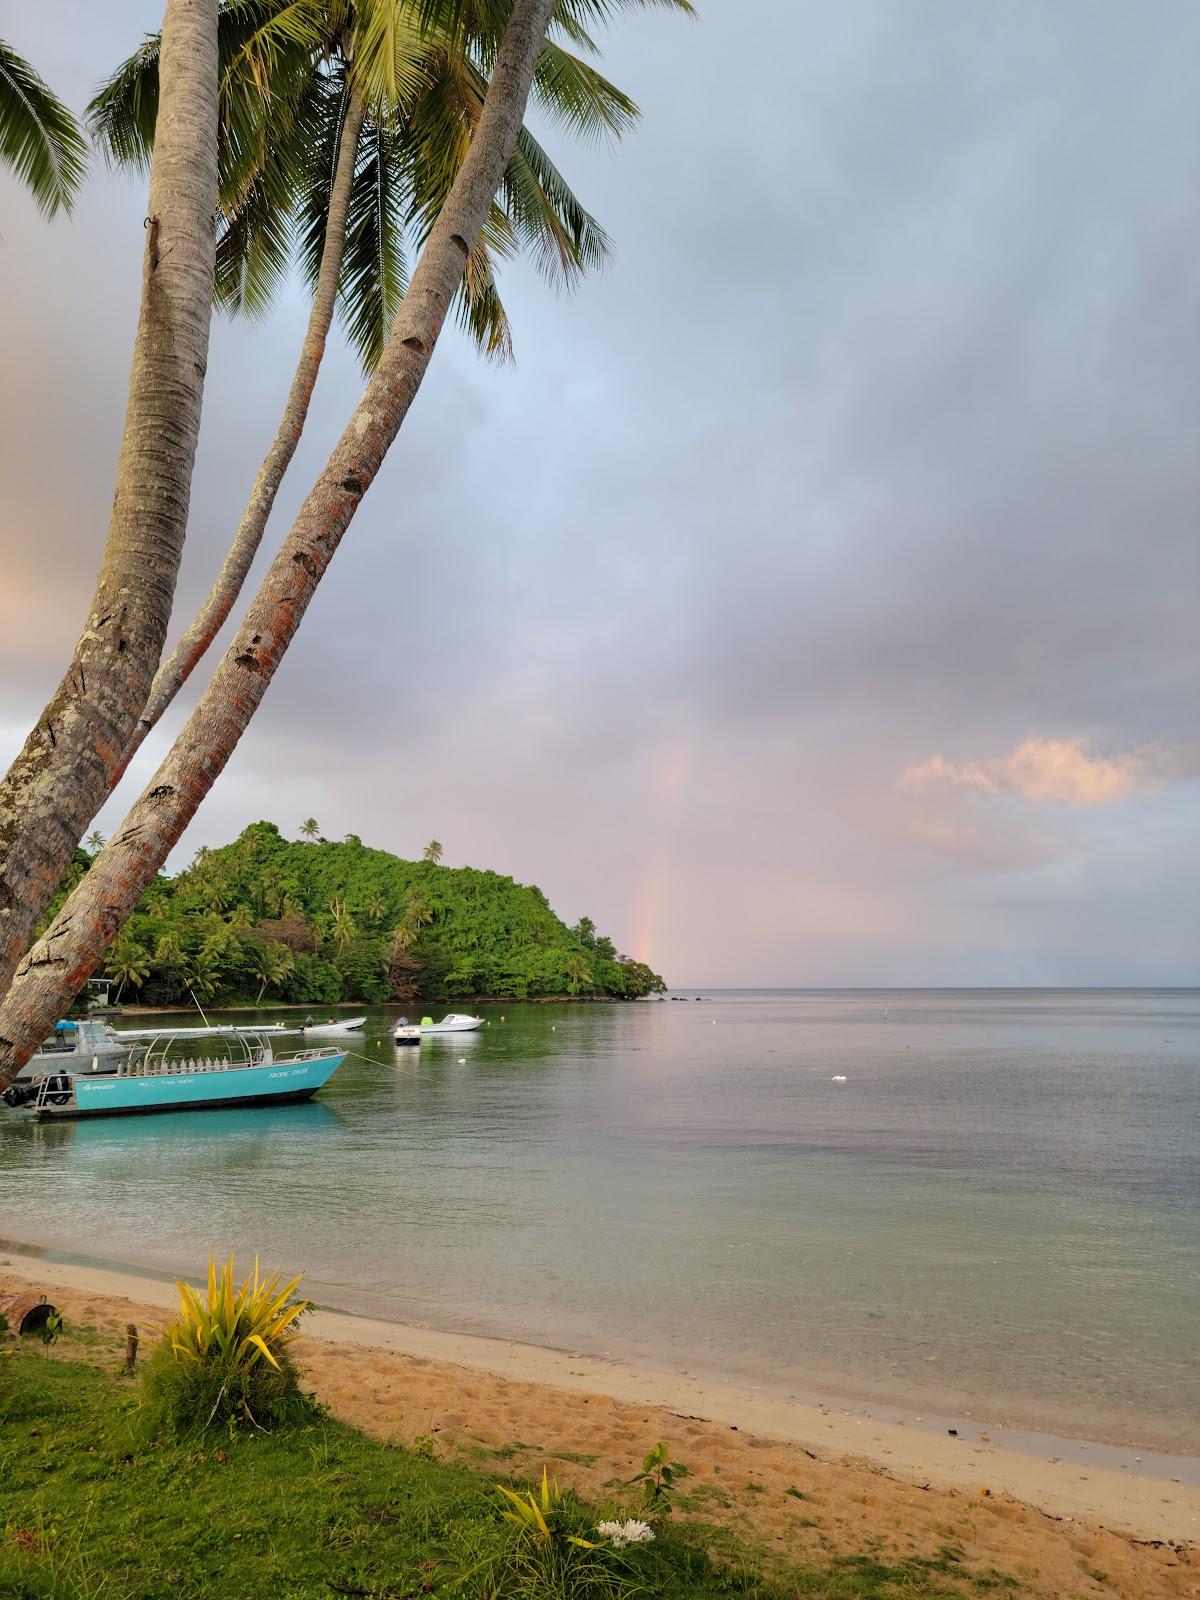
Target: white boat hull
{"x": 327, "y": 1029}
{"x": 453, "y": 1024}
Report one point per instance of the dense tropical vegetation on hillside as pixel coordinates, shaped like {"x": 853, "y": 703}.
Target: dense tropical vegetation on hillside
{"x": 313, "y": 921}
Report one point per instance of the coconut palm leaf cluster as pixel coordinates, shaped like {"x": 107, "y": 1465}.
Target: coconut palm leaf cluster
{"x": 291, "y": 73}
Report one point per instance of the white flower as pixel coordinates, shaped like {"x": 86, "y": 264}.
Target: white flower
{"x": 623, "y": 1533}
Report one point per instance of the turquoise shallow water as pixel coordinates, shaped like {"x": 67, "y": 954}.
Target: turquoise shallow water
{"x": 997, "y": 1212}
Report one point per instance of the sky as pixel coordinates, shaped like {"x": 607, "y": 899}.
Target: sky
{"x": 814, "y": 601}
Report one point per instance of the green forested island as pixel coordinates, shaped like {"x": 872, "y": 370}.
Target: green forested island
{"x": 312, "y": 921}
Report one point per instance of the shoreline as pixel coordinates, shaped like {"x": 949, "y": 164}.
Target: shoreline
{"x": 1142, "y": 1495}
{"x": 134, "y": 1011}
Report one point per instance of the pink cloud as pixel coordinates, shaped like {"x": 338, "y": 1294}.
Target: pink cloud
{"x": 1061, "y": 770}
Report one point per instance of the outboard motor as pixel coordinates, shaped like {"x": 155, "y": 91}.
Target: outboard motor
{"x": 20, "y": 1094}
{"x": 58, "y": 1089}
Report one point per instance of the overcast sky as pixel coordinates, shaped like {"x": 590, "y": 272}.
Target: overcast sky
{"x": 815, "y": 601}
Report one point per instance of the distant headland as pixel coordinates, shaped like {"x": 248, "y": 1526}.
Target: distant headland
{"x": 314, "y": 921}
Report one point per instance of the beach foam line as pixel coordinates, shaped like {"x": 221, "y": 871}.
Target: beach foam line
{"x": 1132, "y": 1501}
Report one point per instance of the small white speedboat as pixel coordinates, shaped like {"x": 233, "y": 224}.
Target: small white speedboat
{"x": 453, "y": 1022}
{"x": 350, "y": 1025}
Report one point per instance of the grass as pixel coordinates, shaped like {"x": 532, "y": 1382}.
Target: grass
{"x": 94, "y": 1508}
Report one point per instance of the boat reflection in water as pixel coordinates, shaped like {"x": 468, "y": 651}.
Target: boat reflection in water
{"x": 175, "y": 1135}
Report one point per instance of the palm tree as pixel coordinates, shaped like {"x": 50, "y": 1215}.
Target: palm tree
{"x": 272, "y": 963}
{"x": 370, "y": 109}
{"x": 203, "y": 975}
{"x": 66, "y": 767}
{"x": 169, "y": 950}
{"x": 39, "y": 138}
{"x": 578, "y": 970}
{"x": 84, "y": 926}
{"x": 95, "y": 841}
{"x": 417, "y": 910}
{"x": 310, "y": 828}
{"x": 376, "y": 908}
{"x": 345, "y": 930}
{"x": 127, "y": 964}
{"x": 432, "y": 851}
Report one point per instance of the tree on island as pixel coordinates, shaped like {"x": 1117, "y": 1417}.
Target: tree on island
{"x": 95, "y": 841}
{"x": 432, "y": 851}
{"x": 126, "y": 964}
{"x": 102, "y": 902}
{"x": 272, "y": 963}
{"x": 39, "y": 138}
{"x": 578, "y": 970}
{"x": 310, "y": 828}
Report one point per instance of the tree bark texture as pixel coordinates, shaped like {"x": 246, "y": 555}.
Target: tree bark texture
{"x": 62, "y": 776}
{"x": 65, "y": 957}
{"x": 211, "y": 617}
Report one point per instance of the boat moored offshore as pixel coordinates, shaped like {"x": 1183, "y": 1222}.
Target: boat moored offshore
{"x": 160, "y": 1080}
{"x": 332, "y": 1027}
{"x": 77, "y": 1045}
{"x": 453, "y": 1022}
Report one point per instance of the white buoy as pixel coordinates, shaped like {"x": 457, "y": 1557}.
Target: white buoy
{"x": 838, "y": 1077}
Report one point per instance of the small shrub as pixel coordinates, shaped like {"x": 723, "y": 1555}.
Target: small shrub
{"x": 658, "y": 1477}
{"x": 541, "y": 1550}
{"x": 226, "y": 1359}
{"x": 50, "y": 1329}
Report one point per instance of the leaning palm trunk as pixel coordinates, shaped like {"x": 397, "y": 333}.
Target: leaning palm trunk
{"x": 209, "y": 620}
{"x": 55, "y": 786}
{"x": 62, "y": 960}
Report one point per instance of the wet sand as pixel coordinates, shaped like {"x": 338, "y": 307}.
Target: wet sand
{"x": 806, "y": 1481}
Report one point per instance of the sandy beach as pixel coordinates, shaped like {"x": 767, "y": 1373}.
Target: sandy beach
{"x": 803, "y": 1479}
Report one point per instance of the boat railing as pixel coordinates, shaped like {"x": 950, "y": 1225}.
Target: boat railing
{"x": 162, "y": 1055}
{"x": 55, "y": 1089}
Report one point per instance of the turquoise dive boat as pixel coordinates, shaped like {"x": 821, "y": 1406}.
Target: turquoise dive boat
{"x": 159, "y": 1080}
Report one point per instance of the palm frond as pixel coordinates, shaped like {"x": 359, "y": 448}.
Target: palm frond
{"x": 543, "y": 213}
{"x": 123, "y": 111}
{"x": 578, "y": 96}
{"x": 565, "y": 239}
{"x": 480, "y": 312}
{"x": 390, "y": 57}
{"x": 39, "y": 138}
{"x": 585, "y": 12}
{"x": 374, "y": 270}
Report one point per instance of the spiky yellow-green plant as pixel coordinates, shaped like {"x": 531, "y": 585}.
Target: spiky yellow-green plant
{"x": 536, "y": 1516}
{"x": 238, "y": 1325}
{"x": 227, "y": 1355}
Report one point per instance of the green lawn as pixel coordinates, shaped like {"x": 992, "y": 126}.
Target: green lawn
{"x": 93, "y": 1509}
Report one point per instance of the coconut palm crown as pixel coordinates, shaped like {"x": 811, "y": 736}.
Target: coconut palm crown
{"x": 420, "y": 69}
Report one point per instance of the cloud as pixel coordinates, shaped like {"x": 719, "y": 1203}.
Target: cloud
{"x": 892, "y": 448}
{"x": 1061, "y": 770}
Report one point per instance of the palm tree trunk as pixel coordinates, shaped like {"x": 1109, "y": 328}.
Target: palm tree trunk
{"x": 61, "y": 961}
{"x": 61, "y": 777}
{"x": 209, "y": 620}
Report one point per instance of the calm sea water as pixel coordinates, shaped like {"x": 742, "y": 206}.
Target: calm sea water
{"x": 997, "y": 1212}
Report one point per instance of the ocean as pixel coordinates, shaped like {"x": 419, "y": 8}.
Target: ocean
{"x": 995, "y": 1214}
